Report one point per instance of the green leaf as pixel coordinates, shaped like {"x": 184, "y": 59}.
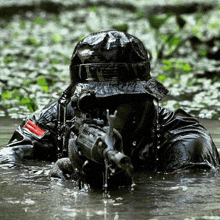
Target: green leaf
{"x": 200, "y": 23}
{"x": 45, "y": 88}
{"x": 214, "y": 25}
{"x": 165, "y": 37}
{"x": 8, "y": 59}
{"x": 93, "y": 8}
{"x": 158, "y": 21}
{"x": 41, "y": 81}
{"x": 31, "y": 105}
{"x": 176, "y": 106}
{"x": 25, "y": 101}
{"x": 40, "y": 58}
{"x": 16, "y": 94}
{"x": 203, "y": 53}
{"x": 187, "y": 68}
{"x": 196, "y": 32}
{"x": 167, "y": 65}
{"x": 121, "y": 27}
{"x": 15, "y": 35}
{"x": 56, "y": 38}
{"x": 139, "y": 13}
{"x": 32, "y": 41}
{"x": 81, "y": 38}
{"x": 28, "y": 82}
{"x": 161, "y": 78}
{"x": 22, "y": 25}
{"x": 6, "y": 95}
{"x": 55, "y": 61}
{"x": 39, "y": 20}
{"x": 174, "y": 41}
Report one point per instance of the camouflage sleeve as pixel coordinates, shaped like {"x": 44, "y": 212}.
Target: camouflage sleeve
{"x": 34, "y": 139}
{"x": 185, "y": 143}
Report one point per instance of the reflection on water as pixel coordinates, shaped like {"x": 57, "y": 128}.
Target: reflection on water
{"x": 28, "y": 193}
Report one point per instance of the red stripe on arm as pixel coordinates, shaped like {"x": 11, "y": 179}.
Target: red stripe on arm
{"x": 33, "y": 130}
{"x": 36, "y": 127}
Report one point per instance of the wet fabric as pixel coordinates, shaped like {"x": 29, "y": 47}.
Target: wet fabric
{"x": 109, "y": 69}
{"x": 184, "y": 142}
{"x": 181, "y": 143}
{"x": 114, "y": 62}
{"x": 112, "y": 88}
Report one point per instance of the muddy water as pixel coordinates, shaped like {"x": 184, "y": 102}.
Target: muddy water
{"x": 27, "y": 193}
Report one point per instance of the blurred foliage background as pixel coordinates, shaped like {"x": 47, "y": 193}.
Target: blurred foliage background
{"x": 37, "y": 39}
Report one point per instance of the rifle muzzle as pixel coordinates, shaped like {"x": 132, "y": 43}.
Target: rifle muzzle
{"x": 120, "y": 160}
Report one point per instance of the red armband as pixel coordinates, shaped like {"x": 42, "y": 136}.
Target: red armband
{"x": 34, "y": 129}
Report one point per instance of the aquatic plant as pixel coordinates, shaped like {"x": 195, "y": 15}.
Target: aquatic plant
{"x": 36, "y": 47}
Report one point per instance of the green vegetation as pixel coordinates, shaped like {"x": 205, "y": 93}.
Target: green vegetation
{"x": 35, "y": 51}
{"x": 57, "y": 38}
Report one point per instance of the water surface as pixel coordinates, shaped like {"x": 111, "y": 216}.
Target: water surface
{"x": 28, "y": 193}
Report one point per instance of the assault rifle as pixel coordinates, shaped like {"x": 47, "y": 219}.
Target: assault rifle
{"x": 99, "y": 144}
{"x": 96, "y": 142}
{"x": 102, "y": 145}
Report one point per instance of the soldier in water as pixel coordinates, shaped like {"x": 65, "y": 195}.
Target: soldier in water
{"x": 109, "y": 118}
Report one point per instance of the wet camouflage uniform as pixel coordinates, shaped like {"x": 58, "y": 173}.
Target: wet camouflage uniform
{"x": 114, "y": 66}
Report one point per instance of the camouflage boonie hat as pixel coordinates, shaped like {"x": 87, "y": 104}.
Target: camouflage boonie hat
{"x": 113, "y": 63}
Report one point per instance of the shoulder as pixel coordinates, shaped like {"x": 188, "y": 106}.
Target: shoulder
{"x": 179, "y": 120}
{"x": 166, "y": 115}
{"x": 47, "y": 114}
